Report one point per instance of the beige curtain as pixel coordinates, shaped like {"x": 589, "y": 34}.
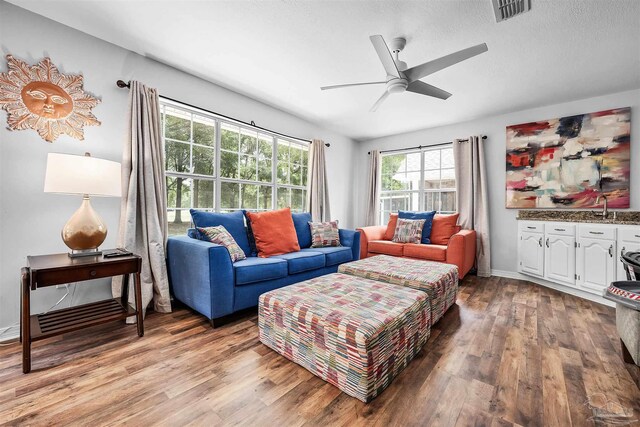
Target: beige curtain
{"x": 143, "y": 212}
{"x": 373, "y": 189}
{"x": 318, "y": 191}
{"x": 471, "y": 197}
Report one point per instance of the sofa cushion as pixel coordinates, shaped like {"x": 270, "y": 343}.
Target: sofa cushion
{"x": 334, "y": 255}
{"x": 254, "y": 269}
{"x": 303, "y": 261}
{"x": 428, "y": 252}
{"x": 386, "y": 247}
{"x": 220, "y": 236}
{"x": 444, "y": 226}
{"x": 233, "y": 222}
{"x": 408, "y": 231}
{"x": 427, "y": 216}
{"x": 391, "y": 226}
{"x": 274, "y": 232}
{"x": 324, "y": 234}
{"x": 301, "y": 223}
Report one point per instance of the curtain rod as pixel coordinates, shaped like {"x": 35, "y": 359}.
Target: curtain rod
{"x": 123, "y": 84}
{"x": 425, "y": 146}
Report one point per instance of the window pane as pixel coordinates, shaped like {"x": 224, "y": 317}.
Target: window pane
{"x": 265, "y": 148}
{"x": 229, "y": 195}
{"x": 284, "y": 197}
{"x": 177, "y": 157}
{"x": 448, "y": 201}
{"x": 448, "y": 178}
{"x": 390, "y": 167}
{"x": 203, "y": 193}
{"x": 179, "y": 221}
{"x": 204, "y": 131}
{"x": 412, "y": 162}
{"x": 248, "y": 168}
{"x": 249, "y": 197}
{"x": 431, "y": 201}
{"x": 178, "y": 192}
{"x": 432, "y": 179}
{"x": 305, "y": 156}
{"x": 248, "y": 143}
{"x": 264, "y": 171}
{"x": 412, "y": 180}
{"x": 283, "y": 151}
{"x": 296, "y": 154}
{"x": 228, "y": 164}
{"x": 229, "y": 137}
{"x": 203, "y": 160}
{"x": 296, "y": 175}
{"x": 297, "y": 200}
{"x": 447, "y": 158}
{"x": 264, "y": 198}
{"x": 304, "y": 176}
{"x": 177, "y": 125}
{"x": 432, "y": 159}
{"x": 283, "y": 173}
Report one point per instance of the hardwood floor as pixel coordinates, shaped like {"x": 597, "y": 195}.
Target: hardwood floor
{"x": 510, "y": 353}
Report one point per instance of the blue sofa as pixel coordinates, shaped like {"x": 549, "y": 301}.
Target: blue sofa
{"x": 203, "y": 277}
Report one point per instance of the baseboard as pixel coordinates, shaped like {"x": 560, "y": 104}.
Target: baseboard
{"x": 556, "y": 286}
{"x": 10, "y": 334}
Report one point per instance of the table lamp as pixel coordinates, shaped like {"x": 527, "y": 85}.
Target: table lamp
{"x": 71, "y": 174}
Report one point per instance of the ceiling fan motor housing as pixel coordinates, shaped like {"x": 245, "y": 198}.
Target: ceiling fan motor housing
{"x": 397, "y": 85}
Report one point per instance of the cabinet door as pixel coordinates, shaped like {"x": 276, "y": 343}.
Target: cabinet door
{"x": 596, "y": 264}
{"x": 560, "y": 259}
{"x": 625, "y": 246}
{"x": 531, "y": 253}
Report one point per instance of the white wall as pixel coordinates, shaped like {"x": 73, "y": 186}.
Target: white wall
{"x": 502, "y": 220}
{"x": 30, "y": 221}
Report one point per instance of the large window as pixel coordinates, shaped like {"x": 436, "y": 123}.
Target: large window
{"x": 217, "y": 165}
{"x": 422, "y": 180}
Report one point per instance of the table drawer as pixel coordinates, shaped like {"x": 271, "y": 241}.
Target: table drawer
{"x": 532, "y": 227}
{"x": 598, "y": 232}
{"x": 560, "y": 229}
{"x": 60, "y": 276}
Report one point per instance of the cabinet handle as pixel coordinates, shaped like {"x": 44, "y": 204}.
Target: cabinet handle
{"x": 540, "y": 242}
{"x": 560, "y": 229}
{"x": 611, "y": 251}
{"x": 596, "y": 232}
{"x": 531, "y": 227}
{"x": 637, "y": 235}
{"x": 547, "y": 242}
{"x": 622, "y": 251}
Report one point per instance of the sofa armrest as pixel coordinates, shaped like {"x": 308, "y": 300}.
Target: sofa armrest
{"x": 461, "y": 251}
{"x": 351, "y": 238}
{"x": 368, "y": 234}
{"x": 201, "y": 275}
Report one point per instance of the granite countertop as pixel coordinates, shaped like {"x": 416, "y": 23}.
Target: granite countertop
{"x": 622, "y": 217}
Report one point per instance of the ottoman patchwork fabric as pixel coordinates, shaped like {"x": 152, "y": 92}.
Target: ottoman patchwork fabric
{"x": 438, "y": 280}
{"x": 352, "y": 332}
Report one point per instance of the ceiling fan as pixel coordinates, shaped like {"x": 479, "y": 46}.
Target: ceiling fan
{"x": 400, "y": 78}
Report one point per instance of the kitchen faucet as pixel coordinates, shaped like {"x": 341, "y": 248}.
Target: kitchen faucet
{"x": 605, "y": 211}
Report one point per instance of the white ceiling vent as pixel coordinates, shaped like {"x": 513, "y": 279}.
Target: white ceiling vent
{"x": 505, "y": 9}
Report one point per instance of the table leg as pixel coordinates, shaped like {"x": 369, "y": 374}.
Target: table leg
{"x": 138, "y": 292}
{"x": 124, "y": 293}
{"x": 25, "y": 321}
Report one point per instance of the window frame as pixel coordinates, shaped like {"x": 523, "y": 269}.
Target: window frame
{"x": 421, "y": 190}
{"x": 217, "y": 177}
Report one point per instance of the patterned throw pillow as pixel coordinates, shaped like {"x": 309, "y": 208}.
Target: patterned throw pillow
{"x": 221, "y": 236}
{"x": 408, "y": 231}
{"x": 324, "y": 234}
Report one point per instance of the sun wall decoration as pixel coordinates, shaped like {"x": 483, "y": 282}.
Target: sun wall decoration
{"x": 40, "y": 97}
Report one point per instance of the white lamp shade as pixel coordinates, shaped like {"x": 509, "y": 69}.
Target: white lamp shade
{"x": 71, "y": 174}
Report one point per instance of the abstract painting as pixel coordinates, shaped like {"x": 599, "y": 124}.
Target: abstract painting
{"x": 570, "y": 162}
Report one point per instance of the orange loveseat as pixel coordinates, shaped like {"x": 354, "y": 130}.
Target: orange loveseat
{"x": 460, "y": 250}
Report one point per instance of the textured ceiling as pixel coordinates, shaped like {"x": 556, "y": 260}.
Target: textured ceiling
{"x": 281, "y": 52}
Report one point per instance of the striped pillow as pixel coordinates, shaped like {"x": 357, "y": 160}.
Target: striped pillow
{"x": 219, "y": 235}
{"x": 408, "y": 231}
{"x": 324, "y": 234}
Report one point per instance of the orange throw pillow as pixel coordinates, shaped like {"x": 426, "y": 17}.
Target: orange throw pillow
{"x": 444, "y": 226}
{"x": 391, "y": 227}
{"x": 274, "y": 232}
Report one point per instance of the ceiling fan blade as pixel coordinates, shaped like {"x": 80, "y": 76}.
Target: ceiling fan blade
{"x": 379, "y": 101}
{"x": 423, "y": 70}
{"x": 426, "y": 89}
{"x": 350, "y": 84}
{"x": 385, "y": 55}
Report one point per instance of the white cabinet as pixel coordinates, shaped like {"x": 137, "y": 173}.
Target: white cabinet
{"x": 628, "y": 241}
{"x": 560, "y": 259}
{"x": 596, "y": 264}
{"x": 531, "y": 253}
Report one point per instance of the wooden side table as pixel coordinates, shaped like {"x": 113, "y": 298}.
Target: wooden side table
{"x": 56, "y": 269}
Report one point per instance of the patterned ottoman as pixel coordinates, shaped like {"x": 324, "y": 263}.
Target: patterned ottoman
{"x": 438, "y": 280}
{"x": 354, "y": 333}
